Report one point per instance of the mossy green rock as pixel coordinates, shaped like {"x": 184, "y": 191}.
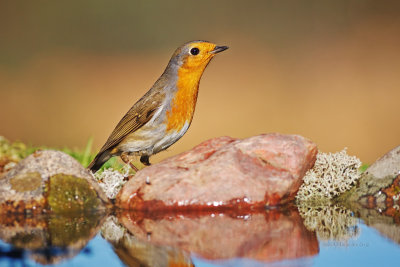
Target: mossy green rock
{"x": 70, "y": 193}
{"x": 50, "y": 181}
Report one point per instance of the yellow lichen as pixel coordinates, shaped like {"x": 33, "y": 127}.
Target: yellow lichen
{"x": 26, "y": 182}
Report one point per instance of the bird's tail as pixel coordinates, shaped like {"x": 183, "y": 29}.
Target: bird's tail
{"x": 99, "y": 160}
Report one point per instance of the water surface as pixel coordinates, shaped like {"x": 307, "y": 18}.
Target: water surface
{"x": 289, "y": 236}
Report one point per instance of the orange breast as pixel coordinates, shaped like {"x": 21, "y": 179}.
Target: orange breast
{"x": 184, "y": 102}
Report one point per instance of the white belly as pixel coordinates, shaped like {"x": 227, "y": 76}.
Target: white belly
{"x": 170, "y": 139}
{"x": 151, "y": 140}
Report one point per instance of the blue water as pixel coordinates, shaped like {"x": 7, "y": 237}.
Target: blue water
{"x": 368, "y": 248}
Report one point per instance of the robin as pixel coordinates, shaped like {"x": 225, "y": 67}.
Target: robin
{"x": 165, "y": 112}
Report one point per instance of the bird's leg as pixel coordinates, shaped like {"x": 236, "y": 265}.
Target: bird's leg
{"x": 125, "y": 158}
{"x": 145, "y": 160}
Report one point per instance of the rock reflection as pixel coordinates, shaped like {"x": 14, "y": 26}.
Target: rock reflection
{"x": 266, "y": 235}
{"x": 339, "y": 221}
{"x": 49, "y": 239}
{"x": 135, "y": 252}
{"x": 384, "y": 219}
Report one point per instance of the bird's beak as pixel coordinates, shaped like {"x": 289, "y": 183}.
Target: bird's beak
{"x": 218, "y": 49}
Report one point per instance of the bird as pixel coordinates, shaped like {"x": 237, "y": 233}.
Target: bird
{"x": 163, "y": 115}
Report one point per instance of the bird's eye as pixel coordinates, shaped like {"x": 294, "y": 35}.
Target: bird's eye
{"x": 194, "y": 51}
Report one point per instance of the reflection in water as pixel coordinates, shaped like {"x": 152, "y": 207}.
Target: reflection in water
{"x": 270, "y": 235}
{"x": 385, "y": 219}
{"x": 330, "y": 222}
{"x": 135, "y": 252}
{"x": 180, "y": 239}
{"x": 48, "y": 239}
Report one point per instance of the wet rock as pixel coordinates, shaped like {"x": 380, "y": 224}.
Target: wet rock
{"x": 379, "y": 185}
{"x": 224, "y": 173}
{"x": 387, "y": 165}
{"x": 49, "y": 181}
{"x": 265, "y": 236}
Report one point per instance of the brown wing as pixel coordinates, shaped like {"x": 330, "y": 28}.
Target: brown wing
{"x": 135, "y": 118}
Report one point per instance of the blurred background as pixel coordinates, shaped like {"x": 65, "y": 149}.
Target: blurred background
{"x": 327, "y": 70}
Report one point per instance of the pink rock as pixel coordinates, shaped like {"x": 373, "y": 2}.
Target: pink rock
{"x": 223, "y": 173}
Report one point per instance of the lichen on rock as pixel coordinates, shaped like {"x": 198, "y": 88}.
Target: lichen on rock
{"x": 26, "y": 182}
{"x": 111, "y": 181}
{"x": 332, "y": 174}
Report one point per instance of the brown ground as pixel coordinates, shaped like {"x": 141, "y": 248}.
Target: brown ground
{"x": 338, "y": 90}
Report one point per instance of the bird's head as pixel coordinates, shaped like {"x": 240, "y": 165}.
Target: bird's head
{"x": 195, "y": 55}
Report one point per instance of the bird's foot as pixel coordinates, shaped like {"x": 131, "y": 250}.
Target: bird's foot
{"x": 145, "y": 160}
{"x": 125, "y": 158}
